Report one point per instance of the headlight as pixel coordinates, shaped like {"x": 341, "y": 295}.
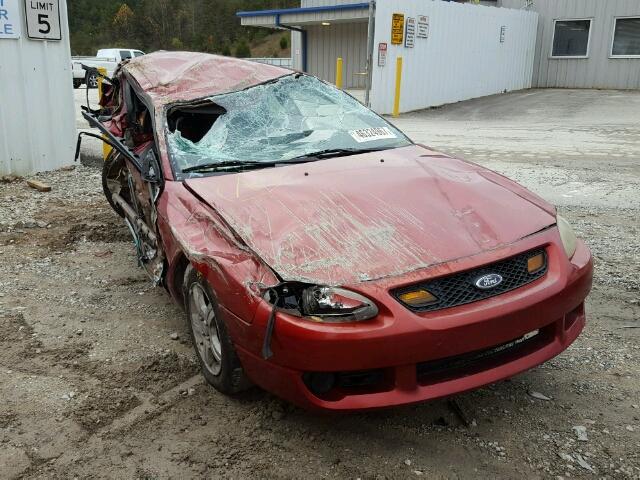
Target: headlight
{"x": 330, "y": 304}
{"x": 321, "y": 304}
{"x": 569, "y": 240}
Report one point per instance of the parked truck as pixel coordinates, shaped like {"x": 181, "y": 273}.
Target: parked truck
{"x": 107, "y": 58}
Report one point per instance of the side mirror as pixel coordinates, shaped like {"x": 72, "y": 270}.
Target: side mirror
{"x": 150, "y": 167}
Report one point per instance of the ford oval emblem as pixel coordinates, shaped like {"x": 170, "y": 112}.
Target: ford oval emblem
{"x": 486, "y": 282}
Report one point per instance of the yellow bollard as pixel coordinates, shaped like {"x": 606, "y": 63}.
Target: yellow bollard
{"x": 396, "y": 100}
{"x": 339, "y": 73}
{"x": 106, "y": 148}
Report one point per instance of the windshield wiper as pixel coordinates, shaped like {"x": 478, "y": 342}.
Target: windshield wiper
{"x": 240, "y": 164}
{"x": 232, "y": 165}
{"x": 339, "y": 152}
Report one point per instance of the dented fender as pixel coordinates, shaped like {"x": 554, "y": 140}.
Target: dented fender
{"x": 190, "y": 228}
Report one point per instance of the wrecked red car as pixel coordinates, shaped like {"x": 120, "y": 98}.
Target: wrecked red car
{"x": 317, "y": 251}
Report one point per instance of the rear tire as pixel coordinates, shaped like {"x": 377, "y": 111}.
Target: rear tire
{"x": 219, "y": 362}
{"x": 77, "y": 83}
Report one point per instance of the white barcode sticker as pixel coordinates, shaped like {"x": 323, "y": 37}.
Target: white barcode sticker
{"x": 372, "y": 134}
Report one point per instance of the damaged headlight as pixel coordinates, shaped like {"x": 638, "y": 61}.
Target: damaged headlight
{"x": 329, "y": 304}
{"x": 322, "y": 304}
{"x": 569, "y": 240}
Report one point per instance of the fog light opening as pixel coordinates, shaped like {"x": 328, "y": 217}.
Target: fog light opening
{"x": 320, "y": 382}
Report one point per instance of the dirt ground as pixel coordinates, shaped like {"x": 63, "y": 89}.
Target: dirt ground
{"x": 93, "y": 384}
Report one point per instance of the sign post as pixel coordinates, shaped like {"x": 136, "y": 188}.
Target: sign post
{"x": 9, "y": 19}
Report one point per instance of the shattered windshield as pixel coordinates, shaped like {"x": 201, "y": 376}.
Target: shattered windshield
{"x": 292, "y": 117}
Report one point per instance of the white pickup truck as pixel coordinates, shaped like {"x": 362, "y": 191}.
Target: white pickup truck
{"x": 108, "y": 58}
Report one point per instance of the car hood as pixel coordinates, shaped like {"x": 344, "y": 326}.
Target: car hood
{"x": 364, "y": 217}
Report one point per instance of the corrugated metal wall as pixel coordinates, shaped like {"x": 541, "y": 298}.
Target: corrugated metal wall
{"x": 596, "y": 71}
{"x": 37, "y": 117}
{"x": 346, "y": 40}
{"x": 296, "y": 47}
{"x": 462, "y": 58}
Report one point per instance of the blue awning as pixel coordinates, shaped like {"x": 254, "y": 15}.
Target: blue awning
{"x": 285, "y": 11}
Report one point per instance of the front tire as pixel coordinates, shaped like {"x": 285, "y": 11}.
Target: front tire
{"x": 219, "y": 362}
{"x": 77, "y": 83}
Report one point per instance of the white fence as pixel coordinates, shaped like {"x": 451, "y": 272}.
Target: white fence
{"x": 37, "y": 118}
{"x": 278, "y": 62}
{"x": 470, "y": 51}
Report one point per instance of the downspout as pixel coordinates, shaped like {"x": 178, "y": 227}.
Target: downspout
{"x": 371, "y": 31}
{"x": 303, "y": 34}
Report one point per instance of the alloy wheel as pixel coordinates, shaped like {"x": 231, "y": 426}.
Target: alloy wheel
{"x": 205, "y": 329}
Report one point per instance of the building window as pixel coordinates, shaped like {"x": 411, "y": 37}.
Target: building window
{"x": 571, "y": 38}
{"x": 626, "y": 37}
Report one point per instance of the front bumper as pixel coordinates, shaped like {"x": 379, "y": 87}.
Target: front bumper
{"x": 412, "y": 350}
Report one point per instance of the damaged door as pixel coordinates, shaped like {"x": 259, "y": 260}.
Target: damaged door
{"x": 131, "y": 176}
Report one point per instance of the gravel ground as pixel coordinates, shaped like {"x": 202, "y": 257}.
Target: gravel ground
{"x": 98, "y": 378}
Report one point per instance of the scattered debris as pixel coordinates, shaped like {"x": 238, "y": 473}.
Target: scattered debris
{"x": 538, "y": 395}
{"x": 41, "y": 187}
{"x": 629, "y": 428}
{"x": 174, "y": 336}
{"x": 583, "y": 463}
{"x": 103, "y": 254}
{"x": 581, "y": 432}
{"x": 68, "y": 396}
{"x": 455, "y": 406}
{"x": 566, "y": 457}
{"x": 9, "y": 178}
{"x": 407, "y": 462}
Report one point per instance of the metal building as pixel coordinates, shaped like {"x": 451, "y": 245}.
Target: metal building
{"x": 37, "y": 118}
{"x": 321, "y": 31}
{"x": 586, "y": 43}
{"x": 440, "y": 44}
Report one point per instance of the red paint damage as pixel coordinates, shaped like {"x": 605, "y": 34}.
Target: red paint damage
{"x": 371, "y": 223}
{"x": 347, "y": 220}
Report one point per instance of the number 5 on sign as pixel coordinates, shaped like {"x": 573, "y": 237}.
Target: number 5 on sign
{"x": 43, "y": 19}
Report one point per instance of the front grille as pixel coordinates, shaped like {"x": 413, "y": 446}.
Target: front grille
{"x": 460, "y": 288}
{"x": 434, "y": 371}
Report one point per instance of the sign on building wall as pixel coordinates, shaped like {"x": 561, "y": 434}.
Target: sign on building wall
{"x": 43, "y": 19}
{"x": 410, "y": 34}
{"x": 382, "y": 54}
{"x": 503, "y": 33}
{"x": 423, "y": 26}
{"x": 397, "y": 28}
{"x": 9, "y": 19}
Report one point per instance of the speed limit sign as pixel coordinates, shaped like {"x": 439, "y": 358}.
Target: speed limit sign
{"x": 43, "y": 19}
